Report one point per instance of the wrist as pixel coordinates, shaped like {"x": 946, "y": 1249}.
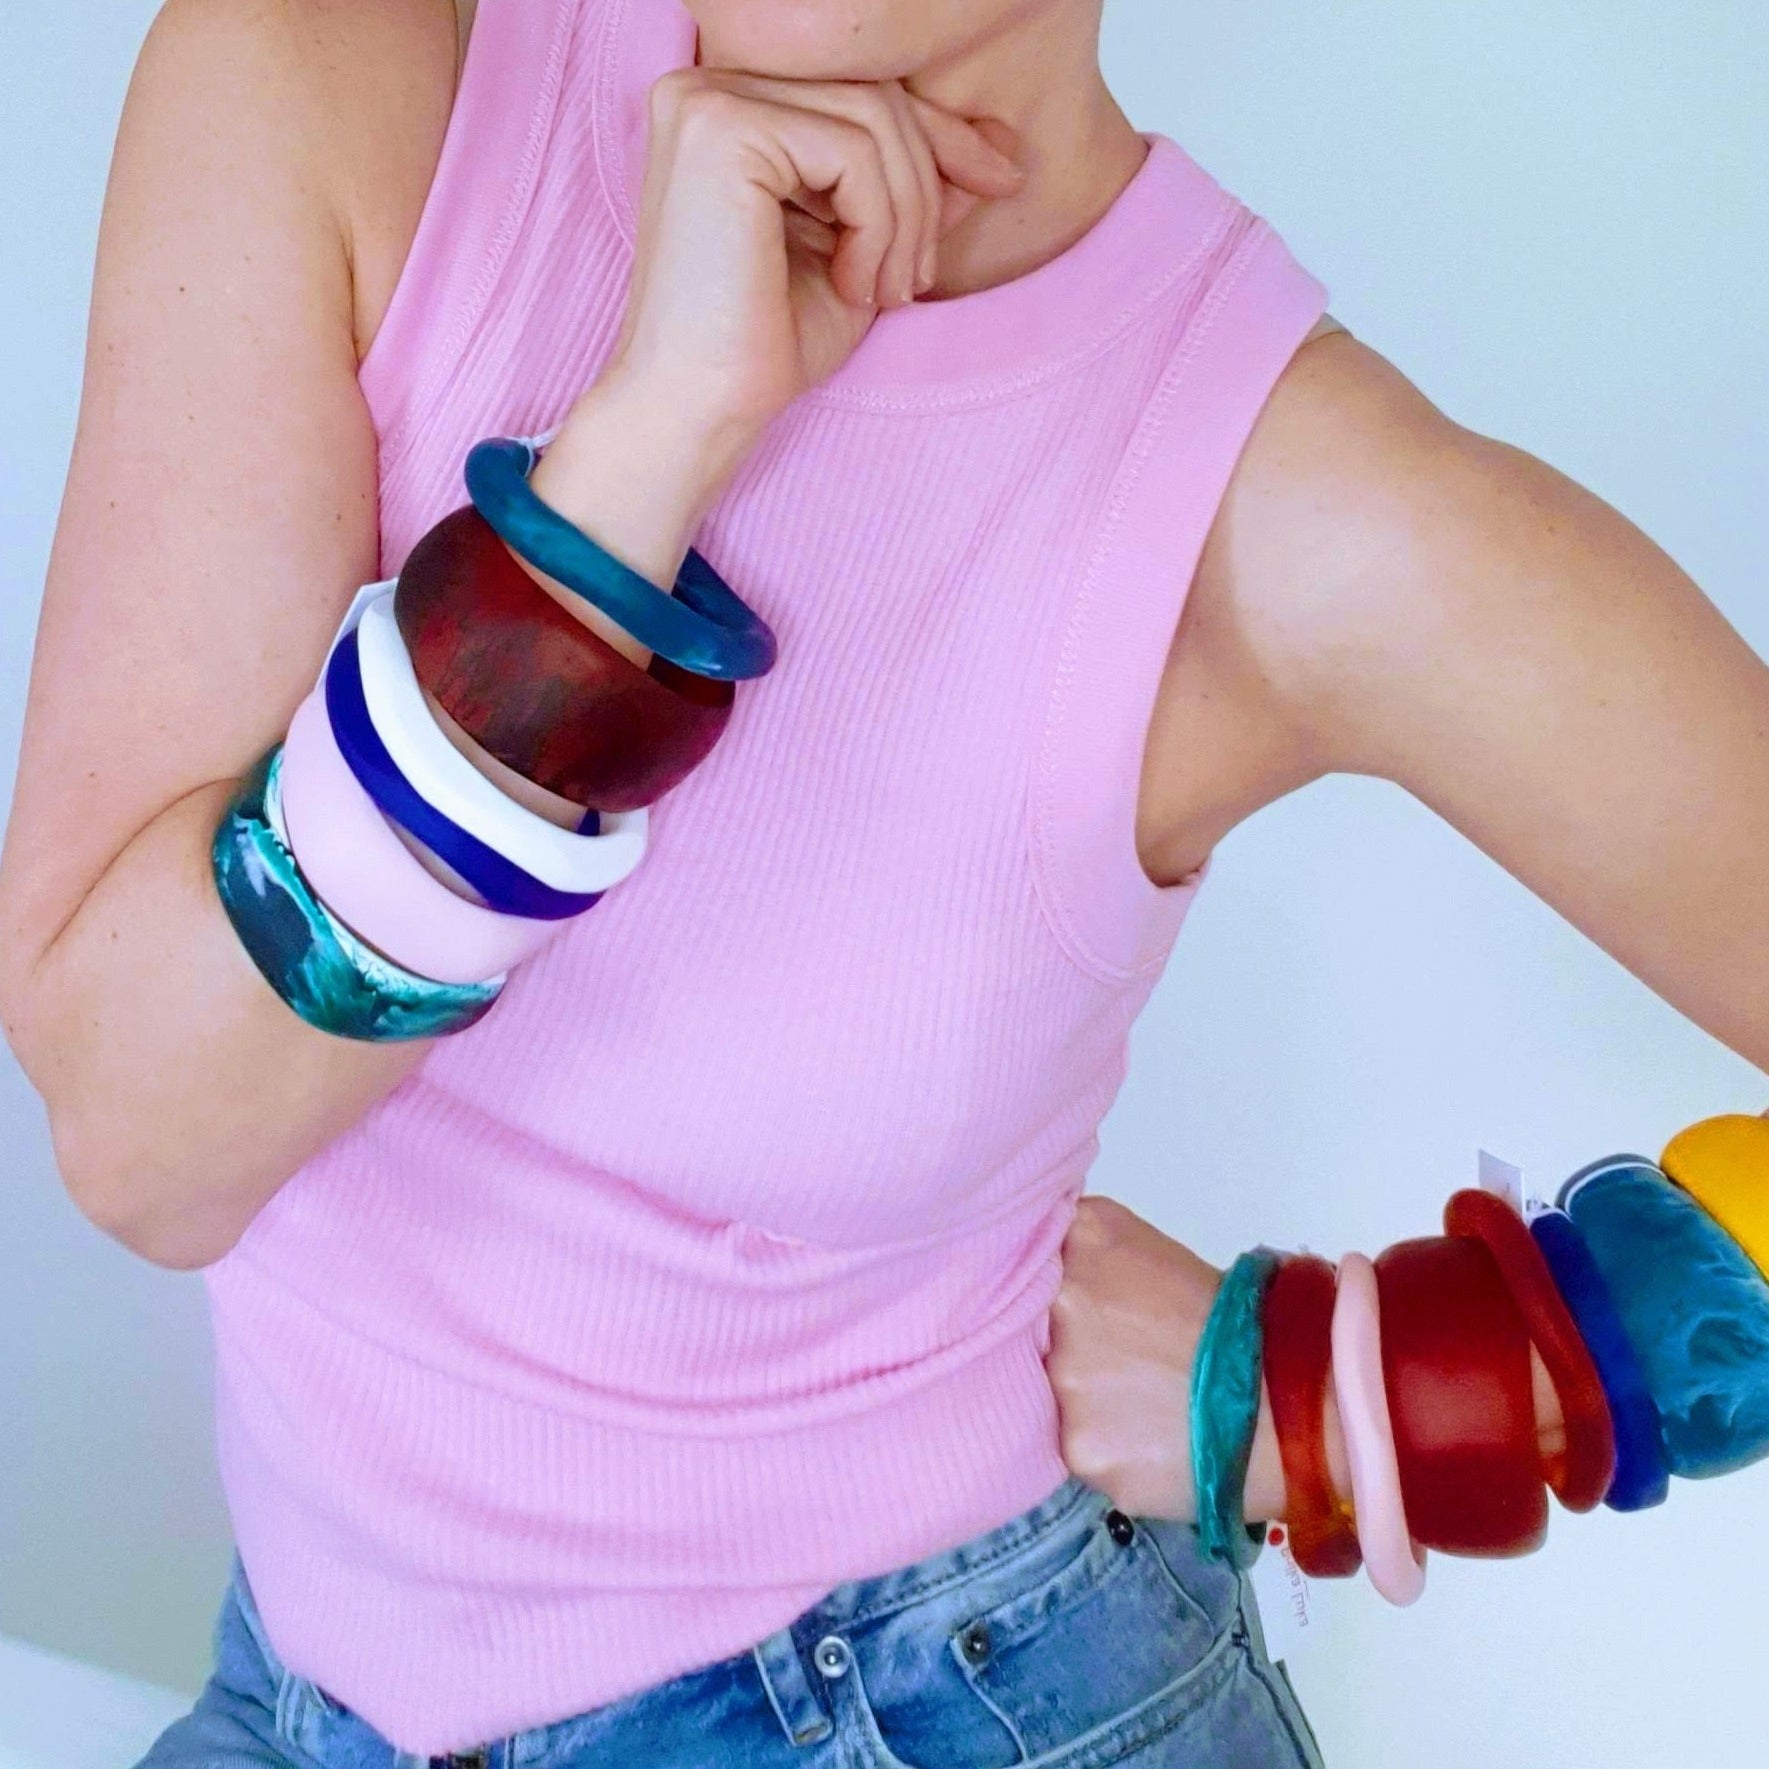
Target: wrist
{"x": 1266, "y": 1496}
{"x": 635, "y": 424}
{"x": 636, "y": 473}
{"x": 1263, "y": 1497}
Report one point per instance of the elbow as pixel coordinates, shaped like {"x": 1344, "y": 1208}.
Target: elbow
{"x": 135, "y": 1193}
{"x": 124, "y": 1186}
{"x": 123, "y": 1191}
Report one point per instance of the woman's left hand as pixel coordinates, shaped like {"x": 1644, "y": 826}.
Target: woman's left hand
{"x": 1123, "y": 1330}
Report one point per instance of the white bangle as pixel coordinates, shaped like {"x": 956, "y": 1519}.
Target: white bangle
{"x": 442, "y": 776}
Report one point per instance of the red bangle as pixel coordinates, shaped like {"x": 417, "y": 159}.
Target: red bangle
{"x": 538, "y": 689}
{"x": 1298, "y": 1353}
{"x": 1582, "y": 1475}
{"x": 1455, "y": 1364}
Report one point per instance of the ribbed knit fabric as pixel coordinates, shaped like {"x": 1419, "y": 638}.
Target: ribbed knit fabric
{"x": 713, "y": 1267}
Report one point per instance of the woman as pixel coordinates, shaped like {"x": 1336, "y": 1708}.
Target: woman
{"x": 656, "y": 1372}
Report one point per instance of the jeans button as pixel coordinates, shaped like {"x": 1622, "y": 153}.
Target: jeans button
{"x": 1121, "y": 1526}
{"x": 974, "y": 1642}
{"x": 832, "y": 1655}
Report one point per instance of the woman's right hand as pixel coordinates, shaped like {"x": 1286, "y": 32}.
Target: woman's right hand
{"x": 776, "y": 217}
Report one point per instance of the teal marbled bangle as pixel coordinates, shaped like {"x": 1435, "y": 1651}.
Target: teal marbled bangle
{"x": 326, "y": 973}
{"x": 1225, "y": 1408}
{"x": 1693, "y": 1305}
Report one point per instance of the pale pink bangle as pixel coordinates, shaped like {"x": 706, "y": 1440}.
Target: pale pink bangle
{"x": 1394, "y": 1561}
{"x": 362, "y": 872}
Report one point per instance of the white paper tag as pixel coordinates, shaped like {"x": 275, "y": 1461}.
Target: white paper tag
{"x": 1509, "y": 1183}
{"x": 1289, "y": 1610}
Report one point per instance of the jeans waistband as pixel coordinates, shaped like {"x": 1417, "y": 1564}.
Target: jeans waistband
{"x": 1072, "y": 1503}
{"x": 306, "y": 1716}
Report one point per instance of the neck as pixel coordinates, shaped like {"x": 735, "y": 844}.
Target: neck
{"x": 1037, "y": 72}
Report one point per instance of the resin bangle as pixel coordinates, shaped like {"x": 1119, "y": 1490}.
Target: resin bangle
{"x": 1225, "y": 1409}
{"x": 1723, "y": 1164}
{"x": 356, "y": 865}
{"x": 1582, "y": 1475}
{"x": 438, "y": 772}
{"x": 704, "y": 626}
{"x": 1695, "y": 1308}
{"x": 1642, "y": 1476}
{"x": 316, "y": 965}
{"x": 1461, "y": 1401}
{"x": 538, "y": 689}
{"x": 1298, "y": 1356}
{"x": 1394, "y": 1561}
{"x": 504, "y": 886}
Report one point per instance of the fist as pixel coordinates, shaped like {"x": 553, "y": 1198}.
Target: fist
{"x": 1123, "y": 1331}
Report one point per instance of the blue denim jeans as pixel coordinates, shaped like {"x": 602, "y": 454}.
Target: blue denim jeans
{"x": 1071, "y": 1636}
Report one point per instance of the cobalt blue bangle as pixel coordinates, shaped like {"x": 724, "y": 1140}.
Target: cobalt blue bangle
{"x": 1225, "y": 1408}
{"x": 1695, "y": 1308}
{"x": 1642, "y": 1476}
{"x": 705, "y": 626}
{"x": 504, "y": 885}
{"x": 335, "y": 981}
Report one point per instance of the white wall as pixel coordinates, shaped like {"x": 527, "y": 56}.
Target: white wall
{"x": 1553, "y": 215}
{"x": 113, "y": 1544}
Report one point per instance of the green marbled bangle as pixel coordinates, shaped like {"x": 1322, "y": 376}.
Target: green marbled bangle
{"x": 326, "y": 973}
{"x": 1225, "y": 1408}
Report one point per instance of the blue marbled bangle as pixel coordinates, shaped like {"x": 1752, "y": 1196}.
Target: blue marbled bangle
{"x": 1642, "y": 1476}
{"x": 1225, "y": 1408}
{"x": 322, "y": 970}
{"x": 504, "y": 885}
{"x": 1695, "y": 1308}
{"x": 705, "y": 626}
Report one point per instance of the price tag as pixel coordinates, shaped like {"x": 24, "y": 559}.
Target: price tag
{"x": 1289, "y": 1606}
{"x": 1508, "y": 1181}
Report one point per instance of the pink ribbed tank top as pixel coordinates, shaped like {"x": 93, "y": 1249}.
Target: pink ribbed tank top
{"x": 713, "y": 1267}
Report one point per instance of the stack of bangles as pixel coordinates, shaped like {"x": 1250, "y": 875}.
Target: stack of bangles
{"x": 1644, "y": 1292}
{"x": 317, "y": 857}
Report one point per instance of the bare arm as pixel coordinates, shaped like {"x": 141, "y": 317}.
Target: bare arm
{"x": 220, "y": 510}
{"x": 1387, "y": 593}
{"x": 1411, "y": 600}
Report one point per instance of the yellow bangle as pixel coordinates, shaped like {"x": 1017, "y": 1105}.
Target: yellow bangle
{"x": 1723, "y": 1163}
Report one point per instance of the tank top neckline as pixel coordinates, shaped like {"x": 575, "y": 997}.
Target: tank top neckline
{"x": 961, "y": 349}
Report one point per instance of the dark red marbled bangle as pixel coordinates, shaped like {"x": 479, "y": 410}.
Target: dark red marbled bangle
{"x": 538, "y": 689}
{"x": 1456, "y": 1368}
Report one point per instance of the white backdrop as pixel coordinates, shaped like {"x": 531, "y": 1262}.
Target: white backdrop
{"x": 1553, "y": 215}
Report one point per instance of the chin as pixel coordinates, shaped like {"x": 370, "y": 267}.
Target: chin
{"x": 808, "y": 39}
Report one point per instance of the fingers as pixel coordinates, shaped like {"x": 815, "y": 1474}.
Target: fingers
{"x": 894, "y": 171}
{"x": 844, "y": 163}
{"x": 965, "y": 154}
{"x": 816, "y": 236}
{"x": 928, "y": 171}
{"x": 784, "y": 150}
{"x": 904, "y": 164}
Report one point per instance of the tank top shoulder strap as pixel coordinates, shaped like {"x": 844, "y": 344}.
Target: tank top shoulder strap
{"x": 1243, "y": 328}
{"x": 485, "y": 177}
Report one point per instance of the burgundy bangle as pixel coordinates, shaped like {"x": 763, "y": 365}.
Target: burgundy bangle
{"x": 537, "y": 688}
{"x": 1456, "y": 1367}
{"x": 1582, "y": 1475}
{"x": 1298, "y": 1327}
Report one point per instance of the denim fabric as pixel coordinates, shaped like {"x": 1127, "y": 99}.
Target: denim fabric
{"x": 1068, "y": 1637}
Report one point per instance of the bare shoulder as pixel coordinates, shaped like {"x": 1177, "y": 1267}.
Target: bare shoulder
{"x": 386, "y": 74}
{"x": 352, "y": 96}
{"x": 1349, "y": 465}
